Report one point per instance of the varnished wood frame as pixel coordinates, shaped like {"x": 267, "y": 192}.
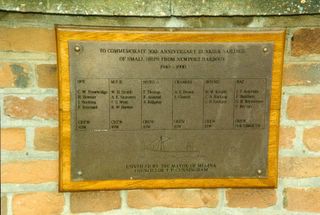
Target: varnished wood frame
{"x": 66, "y": 33}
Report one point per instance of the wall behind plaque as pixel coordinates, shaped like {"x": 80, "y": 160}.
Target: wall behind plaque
{"x": 29, "y": 111}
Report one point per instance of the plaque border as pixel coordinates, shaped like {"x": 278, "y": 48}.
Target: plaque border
{"x": 66, "y": 33}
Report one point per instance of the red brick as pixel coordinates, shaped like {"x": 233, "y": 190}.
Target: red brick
{"x": 249, "y": 198}
{"x": 46, "y": 139}
{"x": 40, "y": 203}
{"x": 302, "y": 200}
{"x": 305, "y": 41}
{"x": 94, "y": 201}
{"x": 30, "y": 172}
{"x": 29, "y": 107}
{"x": 173, "y": 198}
{"x": 311, "y": 138}
{"x": 287, "y": 136}
{"x": 14, "y": 75}
{"x": 299, "y": 167}
{"x": 13, "y": 139}
{"x": 304, "y": 107}
{"x": 47, "y": 76}
{"x": 27, "y": 39}
{"x": 297, "y": 74}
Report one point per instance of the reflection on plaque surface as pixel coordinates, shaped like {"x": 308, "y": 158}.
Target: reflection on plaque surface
{"x": 169, "y": 110}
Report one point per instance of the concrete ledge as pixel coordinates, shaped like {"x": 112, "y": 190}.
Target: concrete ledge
{"x": 163, "y": 8}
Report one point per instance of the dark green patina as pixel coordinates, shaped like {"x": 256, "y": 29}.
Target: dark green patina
{"x": 22, "y": 78}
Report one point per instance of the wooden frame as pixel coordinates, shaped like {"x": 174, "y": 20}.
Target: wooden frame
{"x": 65, "y": 33}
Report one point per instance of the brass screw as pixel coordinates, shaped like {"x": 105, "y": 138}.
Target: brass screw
{"x": 265, "y": 49}
{"x": 79, "y": 172}
{"x": 77, "y": 48}
{"x": 259, "y": 171}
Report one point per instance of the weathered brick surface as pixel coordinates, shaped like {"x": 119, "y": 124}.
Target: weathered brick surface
{"x": 173, "y": 198}
{"x": 305, "y": 41}
{"x": 40, "y": 203}
{"x": 13, "y": 139}
{"x": 32, "y": 67}
{"x": 94, "y": 201}
{"x": 29, "y": 172}
{"x": 248, "y": 198}
{"x": 14, "y": 75}
{"x": 299, "y": 167}
{"x": 27, "y": 108}
{"x": 287, "y": 136}
{"x": 4, "y": 205}
{"x": 303, "y": 200}
{"x": 46, "y": 139}
{"x": 297, "y": 74}
{"x": 47, "y": 76}
{"x": 304, "y": 107}
{"x": 27, "y": 39}
{"x": 311, "y": 138}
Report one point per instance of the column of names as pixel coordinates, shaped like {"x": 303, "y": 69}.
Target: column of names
{"x": 164, "y": 104}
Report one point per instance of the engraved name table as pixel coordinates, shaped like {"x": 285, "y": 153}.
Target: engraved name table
{"x": 166, "y": 109}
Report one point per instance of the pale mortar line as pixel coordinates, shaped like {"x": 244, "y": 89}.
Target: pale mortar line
{"x": 24, "y": 188}
{"x": 298, "y": 143}
{"x": 301, "y": 90}
{"x": 303, "y": 123}
{"x": 66, "y": 207}
{"x": 29, "y": 61}
{"x": 29, "y": 57}
{"x": 1, "y": 112}
{"x": 124, "y": 199}
{"x": 29, "y": 138}
{"x": 111, "y": 212}
{"x": 256, "y": 211}
{"x": 27, "y": 156}
{"x": 302, "y": 62}
{"x": 287, "y": 44}
{"x": 283, "y": 108}
{"x": 9, "y": 123}
{"x": 306, "y": 59}
{"x": 279, "y": 195}
{"x": 313, "y": 182}
{"x": 163, "y": 210}
{"x": 33, "y": 75}
{"x": 27, "y": 92}
{"x": 9, "y": 202}
{"x": 198, "y": 211}
{"x": 222, "y": 201}
{"x": 298, "y": 153}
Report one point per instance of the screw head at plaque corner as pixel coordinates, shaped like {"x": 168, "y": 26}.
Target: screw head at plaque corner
{"x": 79, "y": 173}
{"x": 265, "y": 49}
{"x": 259, "y": 171}
{"x": 77, "y": 48}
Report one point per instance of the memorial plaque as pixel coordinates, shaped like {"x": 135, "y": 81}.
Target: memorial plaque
{"x": 168, "y": 108}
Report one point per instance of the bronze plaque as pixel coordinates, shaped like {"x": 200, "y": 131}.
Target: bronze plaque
{"x": 169, "y": 110}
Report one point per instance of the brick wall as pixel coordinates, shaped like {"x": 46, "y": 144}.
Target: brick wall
{"x": 29, "y": 121}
